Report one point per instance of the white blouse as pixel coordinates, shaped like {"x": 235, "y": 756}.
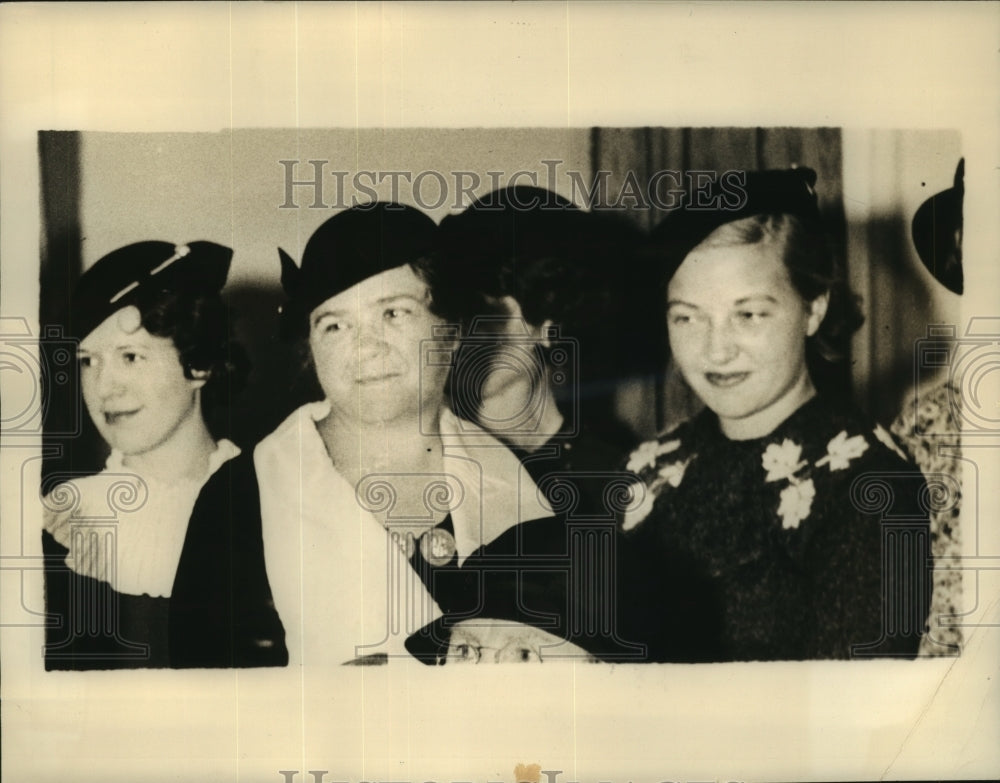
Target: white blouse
{"x": 341, "y": 581}
{"x": 127, "y": 530}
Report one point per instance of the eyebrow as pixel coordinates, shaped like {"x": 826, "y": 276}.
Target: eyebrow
{"x": 381, "y": 301}
{"x": 741, "y": 301}
{"x": 329, "y": 313}
{"x": 80, "y": 351}
{"x": 395, "y": 297}
{"x": 754, "y": 297}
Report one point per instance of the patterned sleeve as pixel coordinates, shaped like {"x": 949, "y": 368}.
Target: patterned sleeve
{"x": 930, "y": 431}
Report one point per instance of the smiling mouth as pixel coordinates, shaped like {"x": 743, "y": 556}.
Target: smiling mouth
{"x": 381, "y": 378}
{"x": 118, "y": 417}
{"x": 725, "y": 380}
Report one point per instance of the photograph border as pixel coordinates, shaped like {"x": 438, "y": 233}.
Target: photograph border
{"x": 179, "y": 67}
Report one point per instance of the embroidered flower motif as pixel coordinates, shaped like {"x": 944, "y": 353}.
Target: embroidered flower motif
{"x": 782, "y": 462}
{"x": 673, "y": 473}
{"x": 642, "y": 503}
{"x": 841, "y": 450}
{"x": 796, "y": 503}
{"x": 887, "y": 440}
{"x": 646, "y": 454}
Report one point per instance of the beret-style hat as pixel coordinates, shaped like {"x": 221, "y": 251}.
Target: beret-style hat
{"x": 535, "y": 574}
{"x": 129, "y": 274}
{"x": 515, "y": 222}
{"x": 350, "y": 247}
{"x": 735, "y": 195}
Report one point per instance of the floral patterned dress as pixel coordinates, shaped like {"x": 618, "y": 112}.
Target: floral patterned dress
{"x": 930, "y": 431}
{"x": 811, "y": 542}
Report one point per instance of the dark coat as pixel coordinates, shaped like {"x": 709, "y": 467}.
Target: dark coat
{"x": 221, "y": 610}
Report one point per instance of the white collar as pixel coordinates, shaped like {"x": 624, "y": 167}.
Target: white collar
{"x": 501, "y": 492}
{"x": 146, "y": 524}
{"x": 224, "y": 451}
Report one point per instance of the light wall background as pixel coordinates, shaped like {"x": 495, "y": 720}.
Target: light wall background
{"x": 229, "y": 187}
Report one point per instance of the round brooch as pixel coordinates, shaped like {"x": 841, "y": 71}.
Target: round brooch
{"x": 437, "y": 546}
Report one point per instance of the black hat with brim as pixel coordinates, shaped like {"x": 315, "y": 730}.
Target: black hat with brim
{"x": 132, "y": 274}
{"x": 937, "y": 233}
{"x": 733, "y": 196}
{"x": 545, "y": 574}
{"x": 350, "y": 247}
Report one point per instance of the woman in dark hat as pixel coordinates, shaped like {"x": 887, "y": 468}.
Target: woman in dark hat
{"x": 154, "y": 355}
{"x": 534, "y": 281}
{"x": 803, "y": 526}
{"x": 372, "y": 495}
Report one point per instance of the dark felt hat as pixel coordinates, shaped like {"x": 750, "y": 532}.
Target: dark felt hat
{"x": 350, "y": 247}
{"x": 546, "y": 574}
{"x": 937, "y": 233}
{"x": 506, "y": 227}
{"x": 131, "y": 274}
{"x": 732, "y": 196}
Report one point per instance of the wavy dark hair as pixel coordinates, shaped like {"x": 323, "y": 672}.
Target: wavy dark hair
{"x": 812, "y": 270}
{"x": 201, "y": 328}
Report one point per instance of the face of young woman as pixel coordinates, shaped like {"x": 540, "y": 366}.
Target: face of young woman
{"x": 367, "y": 343}
{"x": 738, "y": 332}
{"x": 134, "y": 385}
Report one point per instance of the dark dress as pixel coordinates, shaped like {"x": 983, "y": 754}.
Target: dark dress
{"x": 809, "y": 543}
{"x": 221, "y": 610}
{"x": 93, "y": 626}
{"x": 581, "y": 477}
{"x": 230, "y": 621}
{"x": 578, "y": 472}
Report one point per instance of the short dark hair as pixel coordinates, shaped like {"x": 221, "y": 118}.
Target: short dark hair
{"x": 812, "y": 270}
{"x": 200, "y": 325}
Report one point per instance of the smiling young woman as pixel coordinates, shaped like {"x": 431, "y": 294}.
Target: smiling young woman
{"x": 154, "y": 356}
{"x": 762, "y": 522}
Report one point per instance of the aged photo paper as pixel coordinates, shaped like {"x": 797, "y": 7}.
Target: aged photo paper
{"x": 249, "y": 125}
